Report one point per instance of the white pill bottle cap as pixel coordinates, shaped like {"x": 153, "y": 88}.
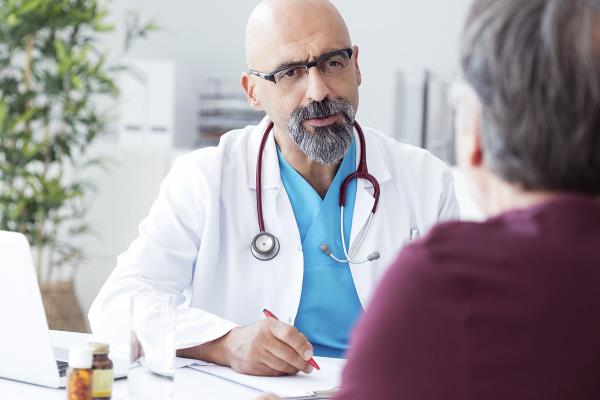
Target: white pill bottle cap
{"x": 80, "y": 357}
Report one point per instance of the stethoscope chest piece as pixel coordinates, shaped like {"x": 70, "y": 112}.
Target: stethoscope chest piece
{"x": 265, "y": 246}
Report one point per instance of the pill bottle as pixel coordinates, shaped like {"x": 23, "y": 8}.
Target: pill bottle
{"x": 102, "y": 368}
{"x": 79, "y": 378}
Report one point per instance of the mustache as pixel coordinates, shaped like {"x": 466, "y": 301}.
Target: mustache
{"x": 324, "y": 108}
{"x": 329, "y": 143}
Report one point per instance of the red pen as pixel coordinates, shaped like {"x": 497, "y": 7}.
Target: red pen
{"x": 269, "y": 314}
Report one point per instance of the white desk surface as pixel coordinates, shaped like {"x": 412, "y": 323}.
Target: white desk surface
{"x": 189, "y": 384}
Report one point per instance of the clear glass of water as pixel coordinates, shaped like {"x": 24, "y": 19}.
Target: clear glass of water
{"x": 152, "y": 371}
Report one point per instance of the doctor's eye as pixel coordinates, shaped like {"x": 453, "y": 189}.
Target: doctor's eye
{"x": 336, "y": 63}
{"x": 290, "y": 74}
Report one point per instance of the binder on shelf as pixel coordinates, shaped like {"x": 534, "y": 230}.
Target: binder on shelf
{"x": 222, "y": 107}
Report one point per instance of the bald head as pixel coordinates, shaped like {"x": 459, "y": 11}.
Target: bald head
{"x": 288, "y": 28}
{"x": 280, "y": 36}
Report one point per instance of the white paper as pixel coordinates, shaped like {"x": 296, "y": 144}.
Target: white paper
{"x": 181, "y": 362}
{"x": 297, "y": 386}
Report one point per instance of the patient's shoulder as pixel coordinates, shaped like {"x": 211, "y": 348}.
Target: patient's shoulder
{"x": 451, "y": 251}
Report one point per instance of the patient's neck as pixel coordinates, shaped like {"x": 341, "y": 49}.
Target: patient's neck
{"x": 502, "y": 196}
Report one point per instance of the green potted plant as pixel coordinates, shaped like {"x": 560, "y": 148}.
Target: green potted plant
{"x": 53, "y": 76}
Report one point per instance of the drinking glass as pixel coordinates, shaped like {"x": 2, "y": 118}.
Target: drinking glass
{"x": 152, "y": 370}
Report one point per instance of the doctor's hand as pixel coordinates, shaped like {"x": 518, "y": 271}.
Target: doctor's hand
{"x": 266, "y": 348}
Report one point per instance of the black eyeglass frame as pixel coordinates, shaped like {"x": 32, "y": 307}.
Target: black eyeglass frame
{"x": 270, "y": 76}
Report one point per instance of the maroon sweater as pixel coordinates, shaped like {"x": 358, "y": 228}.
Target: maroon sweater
{"x": 507, "y": 309}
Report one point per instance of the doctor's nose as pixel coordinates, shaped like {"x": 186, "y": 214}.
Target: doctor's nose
{"x": 316, "y": 86}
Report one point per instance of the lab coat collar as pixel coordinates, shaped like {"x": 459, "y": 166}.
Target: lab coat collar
{"x": 272, "y": 179}
{"x": 364, "y": 201}
{"x": 375, "y": 162}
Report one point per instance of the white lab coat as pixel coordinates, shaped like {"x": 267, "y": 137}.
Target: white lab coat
{"x": 195, "y": 242}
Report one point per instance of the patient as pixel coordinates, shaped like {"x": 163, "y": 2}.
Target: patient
{"x": 508, "y": 308}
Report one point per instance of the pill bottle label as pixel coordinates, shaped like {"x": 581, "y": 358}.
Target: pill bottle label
{"x": 102, "y": 381}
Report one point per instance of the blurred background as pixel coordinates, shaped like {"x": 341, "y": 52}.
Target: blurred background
{"x": 182, "y": 91}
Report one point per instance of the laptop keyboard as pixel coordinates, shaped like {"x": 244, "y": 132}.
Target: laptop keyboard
{"x": 62, "y": 367}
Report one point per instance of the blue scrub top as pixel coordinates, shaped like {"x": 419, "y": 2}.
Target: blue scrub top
{"x": 329, "y": 304}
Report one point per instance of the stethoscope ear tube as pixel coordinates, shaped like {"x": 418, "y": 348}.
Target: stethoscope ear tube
{"x": 347, "y": 257}
{"x": 261, "y": 221}
{"x": 264, "y": 246}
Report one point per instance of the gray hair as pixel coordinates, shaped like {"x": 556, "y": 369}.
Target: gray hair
{"x": 535, "y": 66}
{"x": 328, "y": 144}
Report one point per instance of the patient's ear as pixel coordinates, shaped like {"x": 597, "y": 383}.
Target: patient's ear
{"x": 476, "y": 151}
{"x": 249, "y": 87}
{"x": 469, "y": 151}
{"x": 473, "y": 129}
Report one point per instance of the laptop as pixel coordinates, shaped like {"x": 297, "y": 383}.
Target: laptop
{"x": 26, "y": 353}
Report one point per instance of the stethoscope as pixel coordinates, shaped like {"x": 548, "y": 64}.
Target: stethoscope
{"x": 265, "y": 245}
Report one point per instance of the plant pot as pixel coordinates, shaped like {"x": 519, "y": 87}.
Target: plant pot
{"x": 62, "y": 308}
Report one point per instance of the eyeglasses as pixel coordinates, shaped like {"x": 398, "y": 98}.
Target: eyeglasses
{"x": 328, "y": 64}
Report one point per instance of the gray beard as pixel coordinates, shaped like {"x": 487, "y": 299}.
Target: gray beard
{"x": 328, "y": 144}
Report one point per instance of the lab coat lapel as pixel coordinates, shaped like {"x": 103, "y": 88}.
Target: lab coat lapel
{"x": 274, "y": 196}
{"x": 271, "y": 178}
{"x": 364, "y": 189}
{"x": 363, "y": 205}
{"x": 285, "y": 212}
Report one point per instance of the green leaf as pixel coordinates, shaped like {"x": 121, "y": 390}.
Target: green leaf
{"x": 103, "y": 27}
{"x": 62, "y": 57}
{"x": 3, "y": 113}
{"x": 76, "y": 82}
{"x": 28, "y": 6}
{"x": 12, "y": 20}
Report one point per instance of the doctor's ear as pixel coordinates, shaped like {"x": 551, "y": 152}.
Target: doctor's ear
{"x": 249, "y": 86}
{"x": 356, "y": 67}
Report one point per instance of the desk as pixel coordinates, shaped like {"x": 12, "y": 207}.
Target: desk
{"x": 189, "y": 384}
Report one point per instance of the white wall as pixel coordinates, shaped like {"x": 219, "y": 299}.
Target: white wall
{"x": 206, "y": 39}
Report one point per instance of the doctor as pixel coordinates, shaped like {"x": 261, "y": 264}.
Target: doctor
{"x": 256, "y": 222}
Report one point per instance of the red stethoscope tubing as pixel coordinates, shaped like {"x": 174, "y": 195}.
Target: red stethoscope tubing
{"x": 361, "y": 172}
